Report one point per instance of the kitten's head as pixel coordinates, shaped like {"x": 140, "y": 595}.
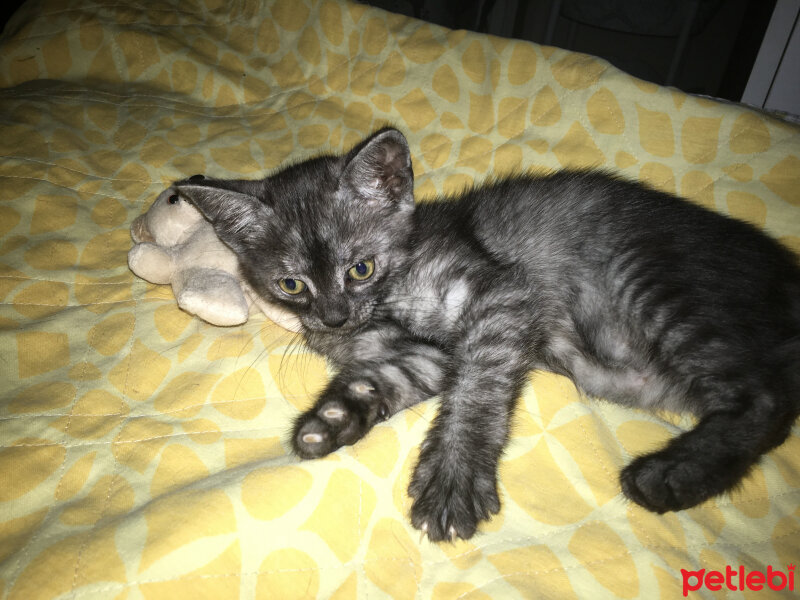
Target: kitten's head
{"x": 321, "y": 237}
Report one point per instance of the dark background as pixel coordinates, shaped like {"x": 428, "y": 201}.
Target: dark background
{"x": 719, "y": 53}
{"x": 717, "y": 59}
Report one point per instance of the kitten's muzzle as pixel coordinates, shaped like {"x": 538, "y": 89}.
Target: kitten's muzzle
{"x": 332, "y": 324}
{"x": 337, "y": 318}
{"x": 335, "y": 314}
{"x": 335, "y": 323}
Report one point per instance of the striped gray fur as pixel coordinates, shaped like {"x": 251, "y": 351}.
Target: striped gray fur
{"x": 639, "y": 296}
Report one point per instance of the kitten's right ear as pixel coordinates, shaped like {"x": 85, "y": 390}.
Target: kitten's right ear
{"x": 379, "y": 170}
{"x": 237, "y": 217}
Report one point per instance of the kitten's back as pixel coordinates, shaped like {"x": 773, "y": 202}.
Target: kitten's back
{"x": 630, "y": 271}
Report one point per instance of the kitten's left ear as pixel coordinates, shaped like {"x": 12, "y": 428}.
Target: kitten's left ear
{"x": 237, "y": 216}
{"x": 379, "y": 170}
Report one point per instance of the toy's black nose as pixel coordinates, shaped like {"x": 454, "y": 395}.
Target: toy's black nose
{"x": 196, "y": 177}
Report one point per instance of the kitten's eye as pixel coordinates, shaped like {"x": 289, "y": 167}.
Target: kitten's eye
{"x": 291, "y": 286}
{"x": 174, "y": 199}
{"x": 361, "y": 270}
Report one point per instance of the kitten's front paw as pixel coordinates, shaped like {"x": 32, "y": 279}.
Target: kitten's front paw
{"x": 451, "y": 496}
{"x": 342, "y": 416}
{"x": 661, "y": 482}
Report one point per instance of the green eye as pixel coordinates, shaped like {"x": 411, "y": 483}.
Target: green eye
{"x": 291, "y": 286}
{"x": 361, "y": 270}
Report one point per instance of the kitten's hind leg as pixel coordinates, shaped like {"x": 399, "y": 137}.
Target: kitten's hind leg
{"x": 711, "y": 458}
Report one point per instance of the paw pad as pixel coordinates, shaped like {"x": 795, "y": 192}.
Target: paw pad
{"x": 334, "y": 413}
{"x": 361, "y": 388}
{"x": 313, "y": 438}
{"x": 341, "y": 417}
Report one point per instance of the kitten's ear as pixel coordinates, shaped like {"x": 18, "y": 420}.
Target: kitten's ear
{"x": 238, "y": 217}
{"x": 379, "y": 170}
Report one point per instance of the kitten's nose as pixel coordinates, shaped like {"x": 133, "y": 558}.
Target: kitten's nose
{"x": 334, "y": 323}
{"x": 334, "y": 313}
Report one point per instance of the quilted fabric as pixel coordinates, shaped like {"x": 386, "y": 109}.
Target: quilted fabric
{"x": 144, "y": 452}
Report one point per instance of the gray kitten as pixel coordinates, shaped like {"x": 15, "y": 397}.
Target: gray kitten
{"x": 638, "y": 296}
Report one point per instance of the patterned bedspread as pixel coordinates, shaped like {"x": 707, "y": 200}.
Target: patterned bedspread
{"x": 143, "y": 452}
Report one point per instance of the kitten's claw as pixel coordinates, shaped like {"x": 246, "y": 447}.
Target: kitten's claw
{"x": 383, "y": 411}
{"x": 449, "y": 502}
{"x": 423, "y": 532}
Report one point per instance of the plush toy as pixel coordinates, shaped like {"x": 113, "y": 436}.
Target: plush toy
{"x": 175, "y": 244}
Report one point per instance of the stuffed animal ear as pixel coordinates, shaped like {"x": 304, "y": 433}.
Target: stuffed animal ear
{"x": 236, "y": 214}
{"x": 379, "y": 170}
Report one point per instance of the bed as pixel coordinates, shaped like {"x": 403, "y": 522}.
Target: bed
{"x": 144, "y": 452}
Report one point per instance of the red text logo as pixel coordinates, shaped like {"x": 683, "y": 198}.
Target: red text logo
{"x": 738, "y": 579}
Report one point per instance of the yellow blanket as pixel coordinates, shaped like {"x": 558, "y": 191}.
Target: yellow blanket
{"x": 144, "y": 452}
